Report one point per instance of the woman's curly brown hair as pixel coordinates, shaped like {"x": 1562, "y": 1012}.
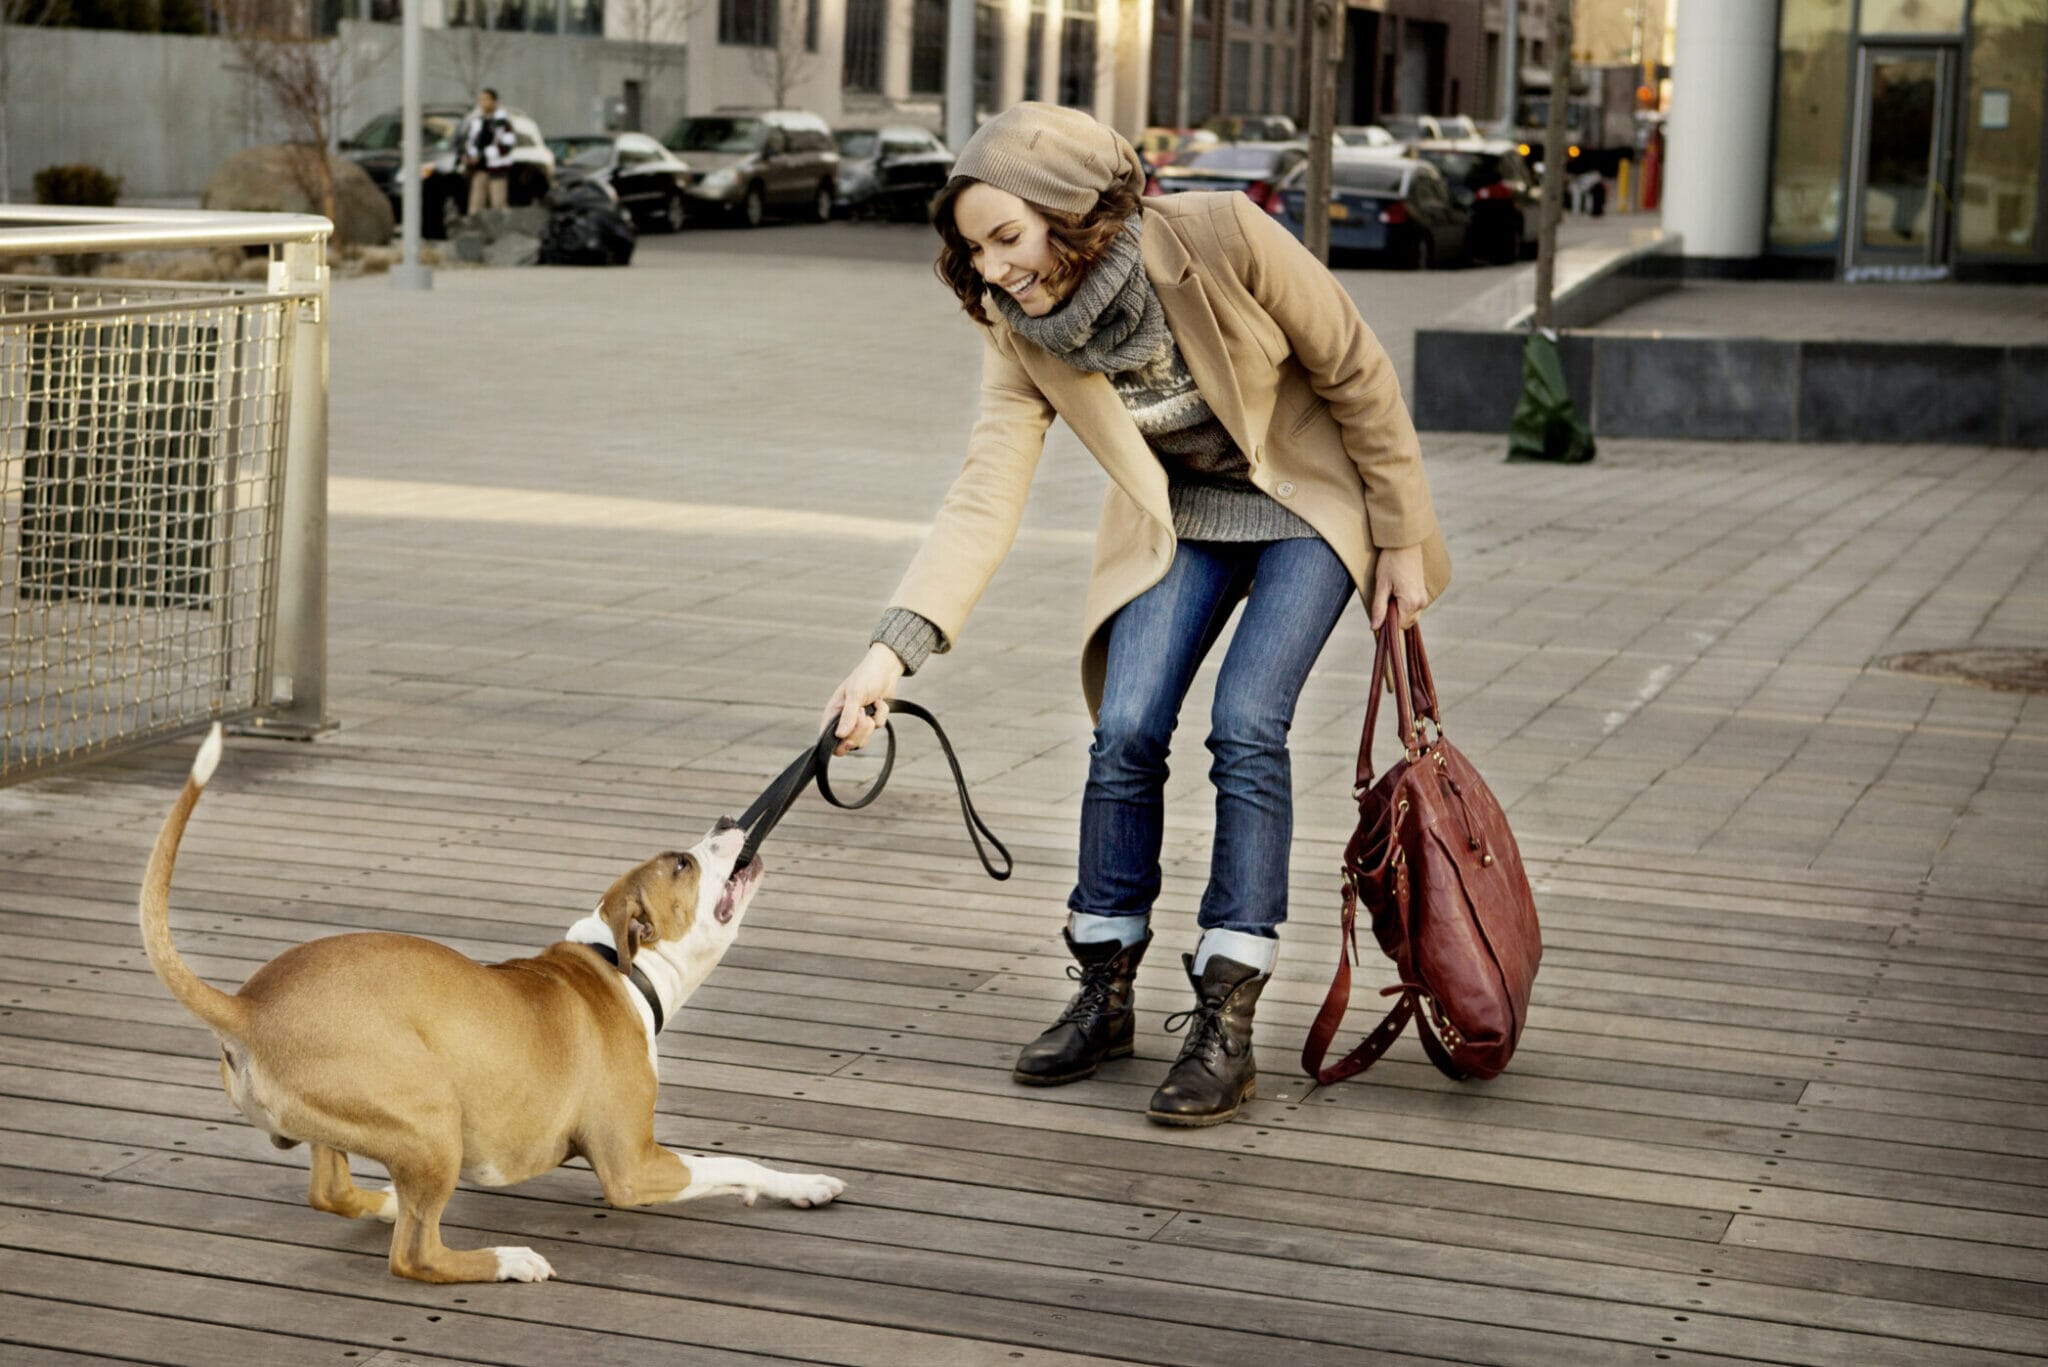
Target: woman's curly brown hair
{"x": 1077, "y": 241}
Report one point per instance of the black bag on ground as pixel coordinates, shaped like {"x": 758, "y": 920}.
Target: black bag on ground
{"x": 586, "y": 227}
{"x": 1546, "y": 424}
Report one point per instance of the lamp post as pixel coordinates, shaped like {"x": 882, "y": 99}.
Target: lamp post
{"x": 409, "y": 274}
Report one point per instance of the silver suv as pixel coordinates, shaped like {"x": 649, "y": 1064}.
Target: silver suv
{"x": 750, "y": 164}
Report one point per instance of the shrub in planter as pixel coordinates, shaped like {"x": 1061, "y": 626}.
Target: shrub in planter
{"x": 80, "y": 184}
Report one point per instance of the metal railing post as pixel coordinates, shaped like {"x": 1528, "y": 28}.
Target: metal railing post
{"x": 299, "y": 664}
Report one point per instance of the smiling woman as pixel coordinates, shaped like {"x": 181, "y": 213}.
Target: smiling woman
{"x": 1259, "y": 452}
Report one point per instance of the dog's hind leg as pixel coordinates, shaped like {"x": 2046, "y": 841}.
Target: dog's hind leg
{"x": 656, "y": 1175}
{"x": 424, "y": 1184}
{"x": 335, "y": 1192}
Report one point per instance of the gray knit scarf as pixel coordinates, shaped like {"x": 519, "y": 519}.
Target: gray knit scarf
{"x": 1113, "y": 320}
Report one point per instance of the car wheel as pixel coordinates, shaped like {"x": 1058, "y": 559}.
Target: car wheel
{"x": 821, "y": 209}
{"x": 673, "y": 214}
{"x": 754, "y": 208}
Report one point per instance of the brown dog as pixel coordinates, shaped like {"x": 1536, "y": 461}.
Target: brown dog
{"x": 437, "y": 1067}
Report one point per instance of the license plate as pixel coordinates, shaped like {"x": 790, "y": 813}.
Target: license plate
{"x": 1339, "y": 212}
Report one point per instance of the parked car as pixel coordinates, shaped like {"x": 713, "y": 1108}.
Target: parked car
{"x": 1368, "y": 136}
{"x": 1253, "y": 127}
{"x": 1431, "y": 127}
{"x": 1253, "y": 167}
{"x": 444, "y": 188}
{"x": 1491, "y": 178}
{"x": 644, "y": 177}
{"x": 749, "y": 164}
{"x": 1398, "y": 209}
{"x": 891, "y": 172}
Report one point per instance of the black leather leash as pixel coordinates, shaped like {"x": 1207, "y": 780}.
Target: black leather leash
{"x": 813, "y": 764}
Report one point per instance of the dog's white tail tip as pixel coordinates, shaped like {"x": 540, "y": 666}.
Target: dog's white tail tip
{"x": 208, "y": 757}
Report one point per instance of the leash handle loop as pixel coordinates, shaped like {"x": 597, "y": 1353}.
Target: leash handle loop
{"x": 815, "y": 764}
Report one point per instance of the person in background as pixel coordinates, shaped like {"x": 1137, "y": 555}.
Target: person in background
{"x": 485, "y": 147}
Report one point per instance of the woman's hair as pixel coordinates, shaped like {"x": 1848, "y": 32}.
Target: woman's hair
{"x": 1077, "y": 242}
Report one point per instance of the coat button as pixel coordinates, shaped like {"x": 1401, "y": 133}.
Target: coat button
{"x": 1286, "y": 489}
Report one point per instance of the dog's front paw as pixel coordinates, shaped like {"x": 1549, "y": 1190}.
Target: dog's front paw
{"x": 807, "y": 1189}
{"x": 522, "y": 1265}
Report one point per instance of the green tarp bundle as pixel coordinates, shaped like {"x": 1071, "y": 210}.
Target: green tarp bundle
{"x": 1546, "y": 426}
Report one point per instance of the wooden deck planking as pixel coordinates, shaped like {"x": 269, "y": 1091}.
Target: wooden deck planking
{"x": 1762, "y": 1093}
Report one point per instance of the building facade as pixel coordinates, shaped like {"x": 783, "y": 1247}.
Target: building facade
{"x": 1251, "y": 57}
{"x": 1865, "y": 139}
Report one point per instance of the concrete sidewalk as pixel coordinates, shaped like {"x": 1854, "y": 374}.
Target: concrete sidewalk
{"x": 652, "y": 513}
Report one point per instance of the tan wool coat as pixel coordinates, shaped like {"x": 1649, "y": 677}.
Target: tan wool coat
{"x": 1282, "y": 358}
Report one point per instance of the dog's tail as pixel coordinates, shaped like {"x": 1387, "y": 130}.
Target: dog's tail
{"x": 227, "y": 1015}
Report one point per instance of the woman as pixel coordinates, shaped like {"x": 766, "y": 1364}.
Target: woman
{"x": 1258, "y": 450}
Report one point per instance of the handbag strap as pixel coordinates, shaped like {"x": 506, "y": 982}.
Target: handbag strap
{"x": 1317, "y": 1046}
{"x": 1414, "y": 693}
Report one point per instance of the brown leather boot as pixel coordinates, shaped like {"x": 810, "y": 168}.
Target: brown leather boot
{"x": 1215, "y": 1072}
{"x": 1098, "y": 1023}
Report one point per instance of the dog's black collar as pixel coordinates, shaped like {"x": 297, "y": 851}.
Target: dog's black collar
{"x": 639, "y": 980}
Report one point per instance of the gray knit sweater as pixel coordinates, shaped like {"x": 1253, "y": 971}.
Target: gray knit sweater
{"x": 1208, "y": 482}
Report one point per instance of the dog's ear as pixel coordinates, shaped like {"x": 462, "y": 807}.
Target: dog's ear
{"x": 624, "y": 913}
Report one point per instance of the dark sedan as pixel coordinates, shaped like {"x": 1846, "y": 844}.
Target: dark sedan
{"x": 645, "y": 176}
{"x": 1398, "y": 210}
{"x": 1257, "y": 168}
{"x": 891, "y": 172}
{"x": 1493, "y": 180}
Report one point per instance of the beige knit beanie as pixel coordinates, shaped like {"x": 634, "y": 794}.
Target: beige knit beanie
{"x": 1052, "y": 156}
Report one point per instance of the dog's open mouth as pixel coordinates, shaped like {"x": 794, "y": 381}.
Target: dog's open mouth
{"x": 736, "y": 889}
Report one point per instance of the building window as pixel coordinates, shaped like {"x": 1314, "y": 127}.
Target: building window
{"x": 1813, "y": 86}
{"x": 1034, "y": 52}
{"x": 1201, "y": 81}
{"x": 1162, "y": 111}
{"x": 862, "y": 50}
{"x": 1241, "y": 11}
{"x": 810, "y": 25}
{"x": 746, "y": 23}
{"x": 1271, "y": 96}
{"x": 988, "y": 54}
{"x": 928, "y": 47}
{"x": 2002, "y": 164}
{"x": 1237, "y": 89}
{"x": 1077, "y": 54}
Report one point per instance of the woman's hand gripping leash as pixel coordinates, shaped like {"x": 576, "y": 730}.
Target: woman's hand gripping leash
{"x": 860, "y": 705}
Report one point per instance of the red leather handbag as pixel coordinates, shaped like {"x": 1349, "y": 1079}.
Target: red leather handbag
{"x": 1434, "y": 863}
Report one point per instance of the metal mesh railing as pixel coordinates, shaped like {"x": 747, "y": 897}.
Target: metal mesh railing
{"x": 145, "y": 431}
{"x": 141, "y": 450}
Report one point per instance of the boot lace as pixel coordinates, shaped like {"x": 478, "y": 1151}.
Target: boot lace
{"x": 1092, "y": 1001}
{"x": 1206, "y": 1035}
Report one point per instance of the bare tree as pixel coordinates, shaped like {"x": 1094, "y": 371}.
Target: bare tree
{"x": 25, "y": 13}
{"x": 787, "y": 59}
{"x": 657, "y": 31}
{"x": 300, "y": 74}
{"x": 470, "y": 50}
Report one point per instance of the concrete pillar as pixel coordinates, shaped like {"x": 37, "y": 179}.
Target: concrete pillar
{"x": 1123, "y": 49}
{"x": 1016, "y": 38}
{"x": 896, "y": 31}
{"x": 1716, "y": 177}
{"x": 1055, "y": 24}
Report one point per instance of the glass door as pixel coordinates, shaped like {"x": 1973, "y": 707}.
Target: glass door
{"x": 1900, "y": 169}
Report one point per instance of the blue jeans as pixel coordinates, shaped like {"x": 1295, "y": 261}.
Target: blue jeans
{"x": 1298, "y": 589}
